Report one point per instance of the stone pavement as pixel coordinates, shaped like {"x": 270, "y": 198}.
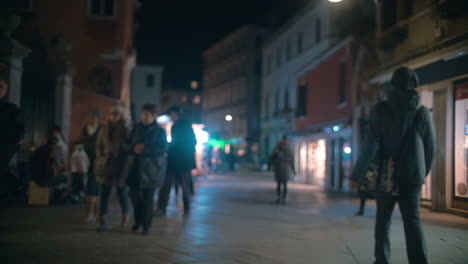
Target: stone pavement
{"x": 233, "y": 221}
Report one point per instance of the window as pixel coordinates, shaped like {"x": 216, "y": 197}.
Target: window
{"x": 267, "y": 107}
{"x": 408, "y": 8}
{"x": 101, "y": 8}
{"x": 277, "y": 102}
{"x": 184, "y": 99}
{"x": 300, "y": 38}
{"x": 278, "y": 57}
{"x": 318, "y": 30}
{"x": 343, "y": 81}
{"x": 269, "y": 63}
{"x": 286, "y": 101}
{"x": 288, "y": 51}
{"x": 25, "y": 4}
{"x": 301, "y": 100}
{"x": 150, "y": 80}
{"x": 389, "y": 13}
{"x": 101, "y": 80}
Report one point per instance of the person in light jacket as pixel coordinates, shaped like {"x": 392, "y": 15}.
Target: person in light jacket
{"x": 110, "y": 160}
{"x": 79, "y": 164}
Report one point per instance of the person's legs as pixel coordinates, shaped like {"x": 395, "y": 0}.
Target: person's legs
{"x": 136, "y": 197}
{"x": 105, "y": 195}
{"x": 285, "y": 190}
{"x": 122, "y": 194}
{"x": 147, "y": 209}
{"x": 164, "y": 192}
{"x": 278, "y": 191}
{"x": 363, "y": 199}
{"x": 185, "y": 182}
{"x": 385, "y": 205}
{"x": 415, "y": 242}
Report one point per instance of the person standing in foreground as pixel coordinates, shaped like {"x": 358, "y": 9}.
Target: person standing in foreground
{"x": 11, "y": 133}
{"x": 148, "y": 144}
{"x": 402, "y": 134}
{"x": 110, "y": 161}
{"x": 282, "y": 159}
{"x": 181, "y": 160}
{"x": 88, "y": 138}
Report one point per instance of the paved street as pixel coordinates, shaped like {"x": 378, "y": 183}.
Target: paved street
{"x": 233, "y": 221}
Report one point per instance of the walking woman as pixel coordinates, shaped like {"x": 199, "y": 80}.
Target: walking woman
{"x": 282, "y": 160}
{"x": 110, "y": 160}
{"x": 148, "y": 145}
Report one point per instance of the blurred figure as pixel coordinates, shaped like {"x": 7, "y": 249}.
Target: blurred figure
{"x": 181, "y": 161}
{"x": 89, "y": 135}
{"x": 79, "y": 167}
{"x": 402, "y": 136}
{"x": 148, "y": 144}
{"x": 110, "y": 160}
{"x": 282, "y": 160}
{"x": 11, "y": 133}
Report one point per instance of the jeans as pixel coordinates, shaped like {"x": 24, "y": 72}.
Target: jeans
{"x": 184, "y": 180}
{"x": 122, "y": 194}
{"x": 409, "y": 208}
{"x": 143, "y": 203}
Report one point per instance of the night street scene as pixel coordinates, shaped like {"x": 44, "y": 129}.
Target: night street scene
{"x": 223, "y": 132}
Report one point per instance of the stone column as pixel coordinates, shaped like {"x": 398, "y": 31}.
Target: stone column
{"x": 12, "y": 54}
{"x": 64, "y": 73}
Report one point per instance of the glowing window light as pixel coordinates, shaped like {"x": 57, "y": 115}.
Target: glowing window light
{"x": 169, "y": 139}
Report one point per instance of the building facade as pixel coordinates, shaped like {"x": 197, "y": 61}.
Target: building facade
{"x": 296, "y": 43}
{"x": 81, "y": 60}
{"x": 189, "y": 100}
{"x": 432, "y": 38}
{"x": 146, "y": 87}
{"x": 231, "y": 88}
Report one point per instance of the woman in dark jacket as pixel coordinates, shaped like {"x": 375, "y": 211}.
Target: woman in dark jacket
{"x": 110, "y": 160}
{"x": 148, "y": 144}
{"x": 282, "y": 160}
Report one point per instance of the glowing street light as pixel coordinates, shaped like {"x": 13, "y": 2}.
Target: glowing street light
{"x": 335, "y": 1}
{"x": 347, "y": 150}
{"x": 228, "y": 118}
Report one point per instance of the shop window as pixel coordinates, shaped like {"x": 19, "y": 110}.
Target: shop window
{"x": 461, "y": 140}
{"x": 101, "y": 8}
{"x": 301, "y": 100}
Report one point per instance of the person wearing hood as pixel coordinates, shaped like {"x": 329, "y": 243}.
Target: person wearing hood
{"x": 402, "y": 136}
{"x": 11, "y": 133}
{"x": 148, "y": 145}
{"x": 110, "y": 160}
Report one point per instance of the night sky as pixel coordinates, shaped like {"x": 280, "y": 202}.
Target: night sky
{"x": 174, "y": 33}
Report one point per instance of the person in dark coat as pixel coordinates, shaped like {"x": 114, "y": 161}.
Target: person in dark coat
{"x": 282, "y": 160}
{"x": 88, "y": 138}
{"x": 181, "y": 160}
{"x": 402, "y": 134}
{"x": 109, "y": 165}
{"x": 148, "y": 143}
{"x": 11, "y": 133}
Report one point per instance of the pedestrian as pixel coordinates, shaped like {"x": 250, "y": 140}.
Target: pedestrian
{"x": 88, "y": 138}
{"x": 366, "y": 188}
{"x": 181, "y": 161}
{"x": 282, "y": 160}
{"x": 401, "y": 133}
{"x": 79, "y": 168}
{"x": 109, "y": 164}
{"x": 11, "y": 133}
{"x": 148, "y": 143}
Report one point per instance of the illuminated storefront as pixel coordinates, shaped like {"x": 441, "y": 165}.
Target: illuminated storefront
{"x": 460, "y": 186}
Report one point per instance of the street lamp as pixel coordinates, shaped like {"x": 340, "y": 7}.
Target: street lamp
{"x": 335, "y": 1}
{"x": 228, "y": 118}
